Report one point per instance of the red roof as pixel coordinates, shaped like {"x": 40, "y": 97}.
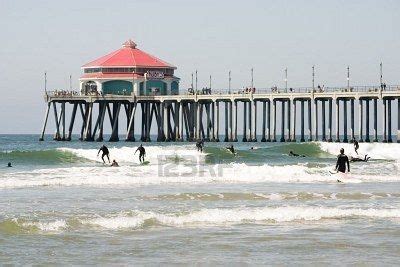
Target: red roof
{"x": 128, "y": 56}
{"x": 100, "y": 75}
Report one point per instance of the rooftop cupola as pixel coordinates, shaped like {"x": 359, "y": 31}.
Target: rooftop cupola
{"x": 129, "y": 44}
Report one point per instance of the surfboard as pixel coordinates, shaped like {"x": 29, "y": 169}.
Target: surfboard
{"x": 145, "y": 162}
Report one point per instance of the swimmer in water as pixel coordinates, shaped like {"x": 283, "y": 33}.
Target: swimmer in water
{"x": 105, "y": 152}
{"x": 114, "y": 164}
{"x": 9, "y": 165}
{"x": 142, "y": 153}
{"x": 200, "y": 145}
{"x": 294, "y": 154}
{"x": 342, "y": 161}
{"x": 357, "y": 159}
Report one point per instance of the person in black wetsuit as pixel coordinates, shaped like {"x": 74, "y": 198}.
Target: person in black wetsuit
{"x": 9, "y": 165}
{"x": 342, "y": 161}
{"x": 200, "y": 145}
{"x": 356, "y": 146}
{"x": 142, "y": 153}
{"x": 231, "y": 149}
{"x": 105, "y": 152}
{"x": 365, "y": 159}
{"x": 294, "y": 154}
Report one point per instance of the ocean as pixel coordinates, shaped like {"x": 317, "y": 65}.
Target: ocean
{"x": 59, "y": 204}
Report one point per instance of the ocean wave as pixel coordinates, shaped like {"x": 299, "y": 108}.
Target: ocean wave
{"x": 50, "y": 156}
{"x": 138, "y": 219}
{"x": 384, "y": 151}
{"x": 154, "y": 154}
{"x": 138, "y": 175}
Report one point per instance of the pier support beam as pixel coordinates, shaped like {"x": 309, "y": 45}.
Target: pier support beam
{"x": 337, "y": 121}
{"x": 114, "y": 129}
{"x": 294, "y": 120}
{"x": 316, "y": 119}
{"x": 63, "y": 120}
{"x": 88, "y": 128}
{"x": 217, "y": 121}
{"x": 330, "y": 120}
{"x": 384, "y": 120}
{"x": 176, "y": 121}
{"x": 352, "y": 120}
{"x": 389, "y": 130}
{"x": 310, "y": 137}
{"x": 226, "y": 138}
{"x": 46, "y": 116}
{"x": 269, "y": 121}
{"x": 230, "y": 121}
{"x": 57, "y": 134}
{"x": 398, "y": 120}
{"x": 264, "y": 121}
{"x": 360, "y": 120}
{"x": 72, "y": 121}
{"x": 282, "y": 121}
{"x": 130, "y": 132}
{"x": 250, "y": 136}
{"x": 288, "y": 121}
{"x": 375, "y": 120}
{"x": 274, "y": 121}
{"x": 244, "y": 122}
{"x": 235, "y": 138}
{"x": 254, "y": 107}
{"x": 323, "y": 121}
{"x": 345, "y": 140}
{"x": 302, "y": 121}
{"x": 367, "y": 120}
{"x": 198, "y": 121}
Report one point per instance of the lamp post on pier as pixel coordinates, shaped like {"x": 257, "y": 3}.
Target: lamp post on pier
{"x": 229, "y": 82}
{"x": 313, "y": 77}
{"x": 286, "y": 80}
{"x": 348, "y": 78}
{"x": 252, "y": 78}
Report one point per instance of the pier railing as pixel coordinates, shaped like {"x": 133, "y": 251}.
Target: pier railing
{"x": 245, "y": 91}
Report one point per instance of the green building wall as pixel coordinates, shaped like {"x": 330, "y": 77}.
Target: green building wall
{"x": 117, "y": 87}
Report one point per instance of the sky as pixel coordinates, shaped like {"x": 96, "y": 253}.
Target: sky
{"x": 58, "y": 37}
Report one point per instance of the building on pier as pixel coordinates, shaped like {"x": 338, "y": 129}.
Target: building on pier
{"x": 129, "y": 71}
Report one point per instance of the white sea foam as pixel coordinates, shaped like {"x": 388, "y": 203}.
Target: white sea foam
{"x": 178, "y": 173}
{"x": 374, "y": 150}
{"x": 47, "y": 226}
{"x": 240, "y": 215}
{"x": 153, "y": 153}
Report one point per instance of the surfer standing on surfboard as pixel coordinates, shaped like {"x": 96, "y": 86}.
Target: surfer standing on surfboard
{"x": 142, "y": 153}
{"x": 342, "y": 161}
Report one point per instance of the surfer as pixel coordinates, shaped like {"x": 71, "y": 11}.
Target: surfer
{"x": 114, "y": 164}
{"x": 342, "y": 161}
{"x": 294, "y": 154}
{"x": 356, "y": 146}
{"x": 9, "y": 165}
{"x": 356, "y": 159}
{"x": 231, "y": 149}
{"x": 142, "y": 153}
{"x": 200, "y": 145}
{"x": 105, "y": 152}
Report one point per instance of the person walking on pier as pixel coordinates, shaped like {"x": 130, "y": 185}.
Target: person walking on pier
{"x": 342, "y": 161}
{"x": 105, "y": 152}
{"x": 200, "y": 145}
{"x": 356, "y": 146}
{"x": 142, "y": 153}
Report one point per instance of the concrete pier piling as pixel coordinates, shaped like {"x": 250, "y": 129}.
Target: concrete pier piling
{"x": 196, "y": 116}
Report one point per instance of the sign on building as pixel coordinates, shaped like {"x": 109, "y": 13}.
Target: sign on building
{"x": 155, "y": 74}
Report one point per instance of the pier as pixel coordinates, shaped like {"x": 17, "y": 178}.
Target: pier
{"x": 197, "y": 116}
